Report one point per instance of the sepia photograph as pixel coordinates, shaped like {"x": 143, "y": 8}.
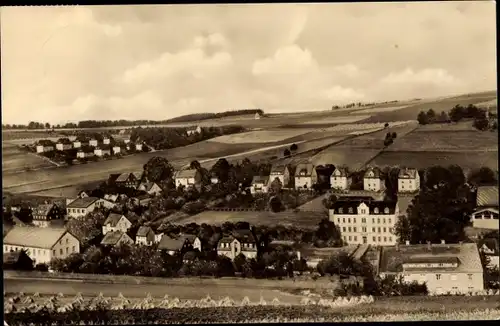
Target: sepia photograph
{"x": 249, "y": 163}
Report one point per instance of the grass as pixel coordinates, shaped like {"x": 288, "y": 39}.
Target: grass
{"x": 8, "y": 135}
{"x": 380, "y": 109}
{"x": 261, "y": 136}
{"x": 335, "y": 120}
{"x": 459, "y": 126}
{"x": 14, "y": 160}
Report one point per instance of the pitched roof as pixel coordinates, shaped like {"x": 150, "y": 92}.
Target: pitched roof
{"x": 42, "y": 210}
{"x": 487, "y": 196}
{"x": 342, "y": 172}
{"x": 169, "y": 243}
{"x": 113, "y": 219}
{"x": 13, "y": 257}
{"x": 189, "y": 237}
{"x": 306, "y": 168}
{"x": 408, "y": 173}
{"x": 490, "y": 243}
{"x": 245, "y": 236}
{"x": 44, "y": 238}
{"x": 260, "y": 179}
{"x": 122, "y": 177}
{"x": 351, "y": 206}
{"x": 148, "y": 185}
{"x": 138, "y": 175}
{"x": 143, "y": 231}
{"x": 278, "y": 169}
{"x": 82, "y": 202}
{"x": 110, "y": 197}
{"x": 467, "y": 254}
{"x": 190, "y": 173}
{"x": 376, "y": 173}
{"x": 112, "y": 238}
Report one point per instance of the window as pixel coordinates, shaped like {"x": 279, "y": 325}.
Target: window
{"x": 373, "y": 221}
{"x": 390, "y": 230}
{"x": 338, "y": 220}
{"x": 383, "y": 221}
{"x": 438, "y": 276}
{"x": 455, "y": 289}
{"x": 355, "y": 238}
{"x": 363, "y": 220}
{"x": 374, "y": 239}
{"x": 350, "y": 238}
{"x": 385, "y": 239}
{"x": 453, "y": 277}
{"x": 67, "y": 250}
{"x": 348, "y": 220}
{"x": 385, "y": 229}
{"x": 378, "y": 220}
{"x": 364, "y": 228}
{"x": 343, "y": 220}
{"x": 54, "y": 252}
{"x": 354, "y": 229}
{"x": 470, "y": 277}
{"x": 386, "y": 210}
{"x": 343, "y": 228}
{"x": 390, "y": 221}
{"x": 379, "y": 239}
{"x": 350, "y": 210}
{"x": 375, "y": 210}
{"x": 373, "y": 229}
{"x": 349, "y": 229}
{"x": 341, "y": 211}
{"x": 363, "y": 211}
{"x": 390, "y": 239}
{"x": 67, "y": 241}
{"x": 378, "y": 229}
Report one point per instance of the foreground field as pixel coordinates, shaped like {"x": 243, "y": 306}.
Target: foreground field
{"x": 15, "y": 160}
{"x": 261, "y": 136}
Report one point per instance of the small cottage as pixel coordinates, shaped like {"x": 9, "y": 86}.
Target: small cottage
{"x": 259, "y": 184}
{"x": 145, "y": 236}
{"x": 116, "y": 238}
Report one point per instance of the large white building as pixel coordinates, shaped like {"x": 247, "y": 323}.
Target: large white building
{"x": 340, "y": 179}
{"x": 305, "y": 176}
{"x": 41, "y": 244}
{"x": 485, "y": 215}
{"x": 373, "y": 181}
{"x": 82, "y": 206}
{"x": 365, "y": 221}
{"x": 408, "y": 180}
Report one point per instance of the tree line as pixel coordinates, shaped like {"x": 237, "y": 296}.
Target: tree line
{"x": 456, "y": 114}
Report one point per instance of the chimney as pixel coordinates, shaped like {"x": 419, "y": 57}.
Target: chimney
{"x": 443, "y": 242}
{"x": 407, "y": 242}
{"x": 429, "y": 246}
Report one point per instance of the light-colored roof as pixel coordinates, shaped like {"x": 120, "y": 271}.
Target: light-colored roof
{"x": 342, "y": 172}
{"x": 391, "y": 260}
{"x": 112, "y": 238}
{"x": 487, "y": 196}
{"x": 82, "y": 202}
{"x": 113, "y": 219}
{"x": 304, "y": 167}
{"x": 184, "y": 174}
{"x": 34, "y": 237}
{"x": 278, "y": 169}
{"x": 148, "y": 185}
{"x": 169, "y": 243}
{"x": 122, "y": 177}
{"x": 408, "y": 173}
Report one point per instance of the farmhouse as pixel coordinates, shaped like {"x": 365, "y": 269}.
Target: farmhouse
{"x": 485, "y": 215}
{"x": 84, "y": 153}
{"x": 241, "y": 242}
{"x": 102, "y": 151}
{"x": 116, "y": 222}
{"x": 93, "y": 142}
{"x": 82, "y": 206}
{"x": 489, "y": 247}
{"x": 282, "y": 172}
{"x": 152, "y": 188}
{"x": 365, "y": 221}
{"x": 106, "y": 141}
{"x": 193, "y": 130}
{"x": 44, "y": 146}
{"x": 116, "y": 149}
{"x": 145, "y": 236}
{"x": 194, "y": 241}
{"x": 77, "y": 144}
{"x": 173, "y": 246}
{"x": 187, "y": 178}
{"x": 64, "y": 144}
{"x": 130, "y": 180}
{"x": 372, "y": 180}
{"x": 45, "y": 213}
{"x": 142, "y": 200}
{"x": 41, "y": 244}
{"x": 138, "y": 147}
{"x": 259, "y": 184}
{"x": 340, "y": 179}
{"x": 116, "y": 238}
{"x": 408, "y": 180}
{"x": 305, "y": 176}
{"x": 454, "y": 268}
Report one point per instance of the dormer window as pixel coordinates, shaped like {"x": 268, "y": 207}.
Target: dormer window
{"x": 386, "y": 210}
{"x": 350, "y": 210}
{"x": 341, "y": 210}
{"x": 375, "y": 210}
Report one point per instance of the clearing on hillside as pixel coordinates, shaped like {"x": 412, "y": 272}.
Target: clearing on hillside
{"x": 15, "y": 160}
{"x": 335, "y": 120}
{"x": 354, "y": 158}
{"x": 261, "y": 136}
{"x": 379, "y": 110}
{"x": 462, "y": 125}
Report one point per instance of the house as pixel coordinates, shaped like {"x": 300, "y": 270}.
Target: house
{"x": 84, "y": 153}
{"x": 41, "y": 244}
{"x": 454, "y": 268}
{"x": 193, "y": 130}
{"x": 44, "y": 146}
{"x": 152, "y": 188}
{"x": 116, "y": 149}
{"x": 17, "y": 260}
{"x": 365, "y": 221}
{"x": 340, "y": 179}
{"x": 77, "y": 144}
{"x": 45, "y": 213}
{"x": 142, "y": 200}
{"x": 282, "y": 172}
{"x": 259, "y": 184}
{"x": 116, "y": 238}
{"x": 305, "y": 176}
{"x": 116, "y": 222}
{"x": 372, "y": 180}
{"x": 93, "y": 143}
{"x": 194, "y": 241}
{"x": 138, "y": 147}
{"x": 174, "y": 245}
{"x": 129, "y": 180}
{"x": 408, "y": 180}
{"x": 83, "y": 194}
{"x": 489, "y": 247}
{"x": 187, "y": 178}
{"x": 485, "y": 215}
{"x": 257, "y": 116}
{"x": 158, "y": 237}
{"x": 64, "y": 144}
{"x": 214, "y": 179}
{"x": 106, "y": 141}
{"x": 102, "y": 151}
{"x": 145, "y": 236}
{"x": 240, "y": 242}
{"x": 82, "y": 206}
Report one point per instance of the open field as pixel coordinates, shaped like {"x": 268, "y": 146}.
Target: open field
{"x": 492, "y": 104}
{"x": 335, "y": 120}
{"x": 421, "y": 159}
{"x": 438, "y": 105}
{"x": 14, "y": 160}
{"x": 261, "y": 136}
{"x": 448, "y": 141}
{"x": 287, "y": 218}
{"x": 354, "y": 158}
{"x": 8, "y": 135}
{"x": 462, "y": 125}
{"x": 379, "y": 110}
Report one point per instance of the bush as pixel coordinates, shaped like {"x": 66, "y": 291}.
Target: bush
{"x": 42, "y": 267}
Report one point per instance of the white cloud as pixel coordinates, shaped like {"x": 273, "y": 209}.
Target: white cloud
{"x": 349, "y": 70}
{"x": 214, "y": 39}
{"x": 439, "y": 77}
{"x": 287, "y": 60}
{"x": 340, "y": 94}
{"x": 83, "y": 17}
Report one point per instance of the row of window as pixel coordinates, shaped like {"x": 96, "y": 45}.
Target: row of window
{"x": 486, "y": 217}
{"x": 355, "y": 238}
{"x": 40, "y": 252}
{"x": 363, "y": 229}
{"x": 77, "y": 210}
{"x": 243, "y": 245}
{"x": 350, "y": 210}
{"x": 363, "y": 220}
{"x": 453, "y": 277}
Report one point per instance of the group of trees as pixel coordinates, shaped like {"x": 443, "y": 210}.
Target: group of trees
{"x": 389, "y": 138}
{"x": 206, "y": 116}
{"x": 359, "y": 104}
{"x": 456, "y": 114}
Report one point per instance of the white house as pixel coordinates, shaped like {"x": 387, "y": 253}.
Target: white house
{"x": 138, "y": 147}
{"x": 485, "y": 215}
{"x": 116, "y": 149}
{"x": 116, "y": 222}
{"x": 102, "y": 151}
{"x": 116, "y": 238}
{"x": 408, "y": 180}
{"x": 241, "y": 242}
{"x": 259, "y": 184}
{"x": 77, "y": 144}
{"x": 340, "y": 179}
{"x": 44, "y": 148}
{"x": 145, "y": 236}
{"x": 305, "y": 176}
{"x": 489, "y": 247}
{"x": 365, "y": 221}
{"x": 41, "y": 244}
{"x": 187, "y": 178}
{"x": 454, "y": 268}
{"x": 257, "y": 116}
{"x": 82, "y": 206}
{"x": 60, "y": 146}
{"x": 282, "y": 172}
{"x": 193, "y": 130}
{"x": 373, "y": 181}
{"x": 152, "y": 188}
{"x": 83, "y": 154}
{"x": 93, "y": 142}
{"x": 106, "y": 141}
{"x": 194, "y": 241}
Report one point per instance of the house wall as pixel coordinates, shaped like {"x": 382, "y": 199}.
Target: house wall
{"x": 93, "y": 143}
{"x": 123, "y": 225}
{"x": 66, "y": 246}
{"x": 146, "y": 241}
{"x": 409, "y": 185}
{"x": 485, "y": 220}
{"x": 342, "y": 183}
{"x": 77, "y": 212}
{"x": 116, "y": 150}
{"x": 374, "y": 229}
{"x": 371, "y": 184}
{"x": 77, "y": 144}
{"x": 197, "y": 244}
{"x": 39, "y": 149}
{"x": 41, "y": 223}
{"x": 281, "y": 178}
{"x": 125, "y": 239}
{"x": 258, "y": 188}
{"x": 303, "y": 183}
{"x": 452, "y": 282}
{"x": 38, "y": 255}
{"x": 106, "y": 141}
{"x": 185, "y": 181}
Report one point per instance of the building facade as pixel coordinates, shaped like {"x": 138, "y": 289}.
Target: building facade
{"x": 305, "y": 176}
{"x": 282, "y": 172}
{"x": 340, "y": 179}
{"x": 408, "y": 180}
{"x": 485, "y": 215}
{"x": 372, "y": 180}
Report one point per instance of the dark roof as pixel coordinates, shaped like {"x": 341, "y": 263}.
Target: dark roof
{"x": 113, "y": 219}
{"x": 13, "y": 257}
{"x": 111, "y": 238}
{"x": 306, "y": 168}
{"x": 82, "y": 202}
{"x": 381, "y": 206}
{"x": 245, "y": 236}
{"x": 377, "y": 174}
{"x": 122, "y": 177}
{"x": 144, "y": 231}
{"x": 430, "y": 260}
{"x": 64, "y": 141}
{"x": 490, "y": 243}
{"x": 408, "y": 173}
{"x": 45, "y": 142}
{"x": 487, "y": 196}
{"x": 191, "y": 173}
{"x": 189, "y": 237}
{"x": 42, "y": 210}
{"x": 340, "y": 172}
{"x": 260, "y": 179}
{"x": 173, "y": 244}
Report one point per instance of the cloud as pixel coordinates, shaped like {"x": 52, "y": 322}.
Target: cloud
{"x": 83, "y": 17}
{"x": 287, "y": 60}
{"x": 439, "y": 77}
{"x": 339, "y": 94}
{"x": 348, "y": 70}
{"x": 215, "y": 39}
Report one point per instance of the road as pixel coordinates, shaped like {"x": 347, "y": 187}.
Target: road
{"x": 235, "y": 291}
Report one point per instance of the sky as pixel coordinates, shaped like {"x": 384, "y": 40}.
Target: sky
{"x": 61, "y": 64}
